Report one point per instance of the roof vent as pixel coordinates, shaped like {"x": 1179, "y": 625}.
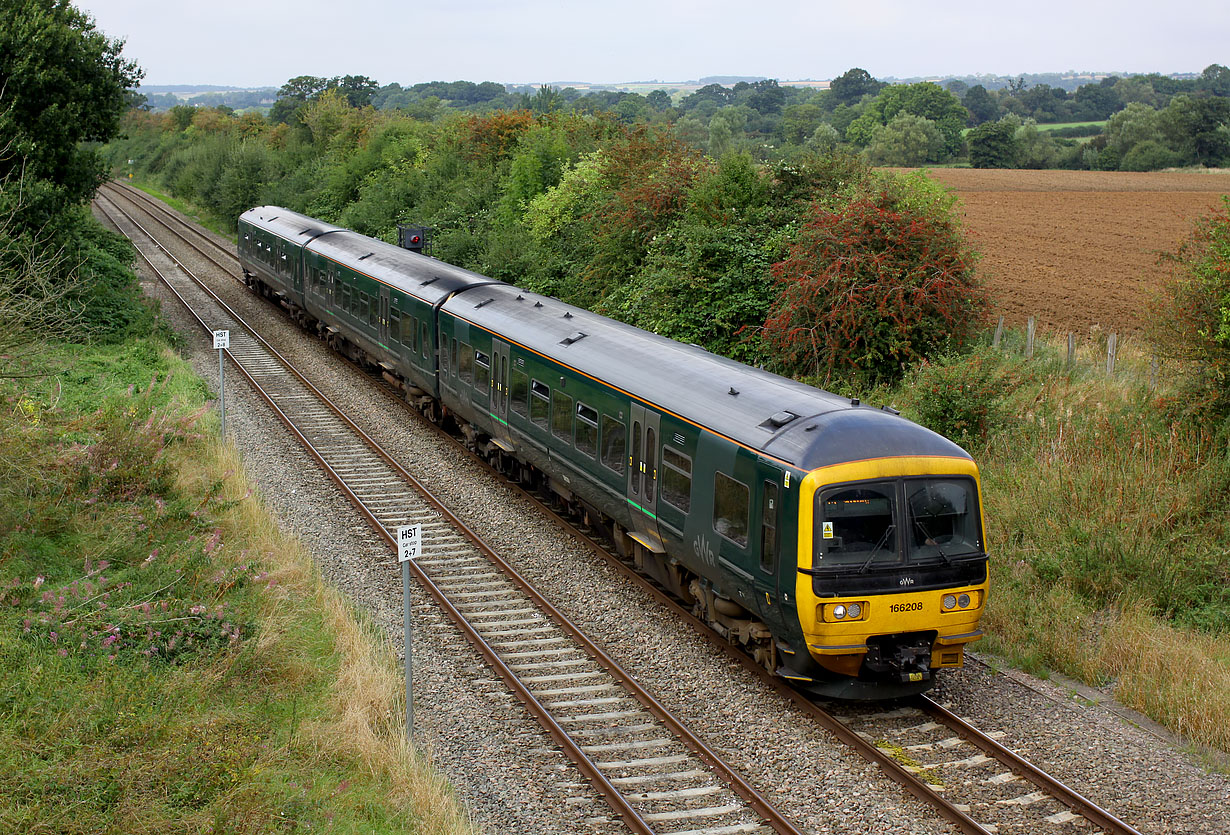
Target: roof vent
{"x": 520, "y": 297}
{"x": 483, "y": 302}
{"x": 779, "y": 420}
{"x": 853, "y": 401}
{"x": 576, "y": 337}
{"x": 567, "y": 315}
{"x": 537, "y": 304}
{"x": 734, "y": 392}
{"x": 368, "y": 255}
{"x": 890, "y": 410}
{"x": 430, "y": 280}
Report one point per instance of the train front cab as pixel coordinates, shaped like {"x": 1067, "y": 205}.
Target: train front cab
{"x": 892, "y": 573}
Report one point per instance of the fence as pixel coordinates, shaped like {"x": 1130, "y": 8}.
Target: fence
{"x": 1112, "y": 349}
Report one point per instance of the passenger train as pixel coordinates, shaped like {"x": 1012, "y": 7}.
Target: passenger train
{"x": 841, "y": 545}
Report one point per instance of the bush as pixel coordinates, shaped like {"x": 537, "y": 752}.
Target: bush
{"x": 1150, "y": 155}
{"x": 873, "y": 287}
{"x": 962, "y": 398}
{"x": 1190, "y": 321}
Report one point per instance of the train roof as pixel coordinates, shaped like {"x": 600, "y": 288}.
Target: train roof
{"x": 418, "y": 275}
{"x": 782, "y": 418}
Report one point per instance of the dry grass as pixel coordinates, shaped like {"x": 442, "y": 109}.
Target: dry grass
{"x": 366, "y": 720}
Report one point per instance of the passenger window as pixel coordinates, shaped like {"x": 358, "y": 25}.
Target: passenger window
{"x": 540, "y": 403}
{"x": 676, "y": 479}
{"x": 730, "y": 509}
{"x": 520, "y": 392}
{"x": 482, "y": 372}
{"x": 345, "y": 301}
{"x": 561, "y": 416}
{"x": 768, "y": 527}
{"x": 614, "y": 443}
{"x": 373, "y": 310}
{"x": 587, "y": 430}
{"x": 465, "y": 363}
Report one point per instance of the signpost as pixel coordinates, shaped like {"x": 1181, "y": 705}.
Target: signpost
{"x": 222, "y": 341}
{"x": 409, "y": 546}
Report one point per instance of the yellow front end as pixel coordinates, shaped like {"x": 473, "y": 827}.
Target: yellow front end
{"x": 837, "y": 629}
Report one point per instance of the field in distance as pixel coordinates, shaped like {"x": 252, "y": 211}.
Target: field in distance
{"x": 1077, "y": 248}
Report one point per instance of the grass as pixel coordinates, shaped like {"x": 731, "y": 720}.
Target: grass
{"x": 1062, "y": 125}
{"x": 173, "y": 662}
{"x": 1107, "y": 523}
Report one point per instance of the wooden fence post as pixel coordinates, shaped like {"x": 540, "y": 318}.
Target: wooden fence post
{"x": 999, "y": 332}
{"x": 1112, "y": 346}
{"x": 1071, "y": 348}
{"x": 1029, "y": 338}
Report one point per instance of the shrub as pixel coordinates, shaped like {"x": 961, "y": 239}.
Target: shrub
{"x": 962, "y": 398}
{"x": 1150, "y": 155}
{"x": 872, "y": 287}
{"x": 1191, "y": 316}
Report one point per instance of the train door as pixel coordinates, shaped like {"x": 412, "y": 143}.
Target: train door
{"x": 643, "y": 468}
{"x": 499, "y": 393}
{"x": 767, "y": 530}
{"x": 382, "y": 323}
{"x": 295, "y": 264}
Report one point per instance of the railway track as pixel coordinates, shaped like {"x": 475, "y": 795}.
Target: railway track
{"x": 971, "y": 779}
{"x": 653, "y": 771}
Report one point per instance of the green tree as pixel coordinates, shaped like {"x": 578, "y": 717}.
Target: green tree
{"x": 992, "y": 145}
{"x": 926, "y": 99}
{"x": 907, "y": 140}
{"x": 1035, "y": 148}
{"x": 1133, "y": 124}
{"x": 62, "y": 83}
{"x": 1199, "y": 128}
{"x": 849, "y": 87}
{"x": 981, "y": 105}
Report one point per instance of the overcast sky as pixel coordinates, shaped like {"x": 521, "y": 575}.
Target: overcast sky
{"x": 246, "y": 43}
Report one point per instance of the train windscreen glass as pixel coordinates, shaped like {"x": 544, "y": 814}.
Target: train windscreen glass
{"x": 892, "y": 524}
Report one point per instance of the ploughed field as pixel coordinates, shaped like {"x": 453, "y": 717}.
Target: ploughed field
{"x": 1077, "y": 249}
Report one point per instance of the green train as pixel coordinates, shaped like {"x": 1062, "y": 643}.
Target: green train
{"x": 841, "y": 545}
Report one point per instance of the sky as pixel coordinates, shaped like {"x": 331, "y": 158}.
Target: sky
{"x": 243, "y": 43}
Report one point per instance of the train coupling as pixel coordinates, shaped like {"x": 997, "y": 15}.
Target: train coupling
{"x": 905, "y": 658}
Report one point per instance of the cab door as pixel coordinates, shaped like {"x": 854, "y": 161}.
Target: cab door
{"x": 642, "y": 489}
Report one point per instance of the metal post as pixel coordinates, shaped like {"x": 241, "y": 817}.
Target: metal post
{"x": 221, "y": 394}
{"x": 405, "y": 593}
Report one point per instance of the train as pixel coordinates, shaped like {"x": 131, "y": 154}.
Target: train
{"x": 840, "y": 545}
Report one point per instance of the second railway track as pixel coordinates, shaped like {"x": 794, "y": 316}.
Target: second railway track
{"x": 1025, "y": 811}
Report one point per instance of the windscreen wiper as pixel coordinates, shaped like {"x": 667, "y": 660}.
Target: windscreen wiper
{"x": 876, "y": 549}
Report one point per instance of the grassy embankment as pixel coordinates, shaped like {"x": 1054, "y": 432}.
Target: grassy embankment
{"x": 1108, "y": 525}
{"x": 171, "y": 661}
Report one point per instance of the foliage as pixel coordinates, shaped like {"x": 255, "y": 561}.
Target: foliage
{"x": 171, "y": 662}
{"x": 962, "y": 396}
{"x": 1191, "y": 317}
{"x": 62, "y": 83}
{"x": 926, "y": 99}
{"x": 873, "y": 287}
{"x": 992, "y": 145}
{"x": 907, "y": 140}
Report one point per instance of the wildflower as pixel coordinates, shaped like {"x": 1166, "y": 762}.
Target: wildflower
{"x": 39, "y": 580}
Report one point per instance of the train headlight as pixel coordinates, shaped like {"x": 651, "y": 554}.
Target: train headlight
{"x": 963, "y": 601}
{"x": 950, "y": 601}
{"x": 839, "y": 611}
{"x": 854, "y": 610}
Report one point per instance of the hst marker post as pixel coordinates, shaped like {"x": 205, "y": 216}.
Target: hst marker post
{"x": 409, "y": 546}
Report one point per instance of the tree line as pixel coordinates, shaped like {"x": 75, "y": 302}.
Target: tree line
{"x": 1133, "y": 123}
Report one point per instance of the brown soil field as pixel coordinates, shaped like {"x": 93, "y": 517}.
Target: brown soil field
{"x": 1077, "y": 249}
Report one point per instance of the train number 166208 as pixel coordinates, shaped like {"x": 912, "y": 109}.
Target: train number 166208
{"x": 916, "y": 606}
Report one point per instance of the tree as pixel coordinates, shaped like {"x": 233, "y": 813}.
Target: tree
{"x": 1199, "y": 128}
{"x": 981, "y": 106}
{"x": 852, "y": 85}
{"x": 926, "y": 99}
{"x": 874, "y": 286}
{"x": 358, "y": 89}
{"x": 62, "y": 83}
{"x": 1216, "y": 79}
{"x": 907, "y": 140}
{"x": 658, "y": 99}
{"x": 992, "y": 145}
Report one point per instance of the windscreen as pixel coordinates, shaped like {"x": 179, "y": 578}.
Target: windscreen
{"x": 893, "y": 524}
